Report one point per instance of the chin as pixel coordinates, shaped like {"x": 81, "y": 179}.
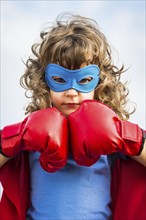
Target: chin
{"x": 67, "y": 113}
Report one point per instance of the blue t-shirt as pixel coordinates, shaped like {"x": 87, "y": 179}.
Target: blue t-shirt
{"x": 72, "y": 193}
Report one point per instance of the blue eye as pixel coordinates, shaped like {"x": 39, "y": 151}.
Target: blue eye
{"x": 58, "y": 79}
{"x": 85, "y": 80}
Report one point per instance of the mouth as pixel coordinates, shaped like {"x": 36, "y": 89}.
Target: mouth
{"x": 71, "y": 105}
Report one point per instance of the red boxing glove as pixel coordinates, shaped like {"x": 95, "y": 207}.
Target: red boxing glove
{"x": 45, "y": 131}
{"x": 96, "y": 130}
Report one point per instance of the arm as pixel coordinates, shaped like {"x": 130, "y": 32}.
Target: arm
{"x": 3, "y": 160}
{"x": 142, "y": 157}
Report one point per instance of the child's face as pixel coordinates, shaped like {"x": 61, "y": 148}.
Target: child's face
{"x": 69, "y": 101}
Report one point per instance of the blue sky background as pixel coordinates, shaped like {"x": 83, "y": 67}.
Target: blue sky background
{"x": 123, "y": 23}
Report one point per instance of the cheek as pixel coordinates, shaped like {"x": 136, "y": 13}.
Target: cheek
{"x": 89, "y": 95}
{"x": 55, "y": 97}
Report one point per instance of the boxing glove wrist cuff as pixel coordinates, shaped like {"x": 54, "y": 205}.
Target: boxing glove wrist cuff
{"x": 1, "y": 151}
{"x": 132, "y": 136}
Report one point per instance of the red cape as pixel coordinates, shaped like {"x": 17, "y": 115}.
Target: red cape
{"x": 128, "y": 189}
{"x": 14, "y": 177}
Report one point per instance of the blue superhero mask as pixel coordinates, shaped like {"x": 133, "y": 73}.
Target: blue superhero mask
{"x": 83, "y": 80}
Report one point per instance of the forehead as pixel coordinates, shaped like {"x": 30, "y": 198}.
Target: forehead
{"x": 73, "y": 56}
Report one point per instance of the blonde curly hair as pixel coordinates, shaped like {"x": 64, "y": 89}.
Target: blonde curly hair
{"x": 71, "y": 41}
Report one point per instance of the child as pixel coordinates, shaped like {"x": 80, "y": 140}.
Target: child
{"x": 75, "y": 129}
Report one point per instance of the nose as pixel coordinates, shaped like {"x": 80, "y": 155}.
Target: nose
{"x": 71, "y": 92}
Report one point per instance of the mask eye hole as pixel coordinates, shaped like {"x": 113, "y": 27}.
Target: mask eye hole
{"x": 85, "y": 81}
{"x": 58, "y": 79}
